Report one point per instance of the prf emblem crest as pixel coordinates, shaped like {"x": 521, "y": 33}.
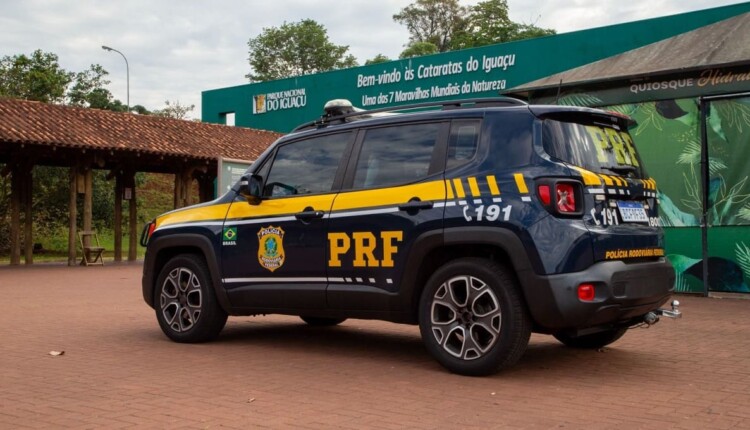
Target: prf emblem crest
{"x": 271, "y": 247}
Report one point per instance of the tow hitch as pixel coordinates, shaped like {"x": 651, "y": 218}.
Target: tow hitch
{"x": 652, "y": 318}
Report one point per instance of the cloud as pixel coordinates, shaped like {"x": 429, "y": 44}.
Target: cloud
{"x": 178, "y": 49}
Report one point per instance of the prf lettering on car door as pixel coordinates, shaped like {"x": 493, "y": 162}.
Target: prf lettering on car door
{"x": 365, "y": 243}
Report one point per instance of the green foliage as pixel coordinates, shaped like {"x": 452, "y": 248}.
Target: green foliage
{"x": 418, "y": 49}
{"x": 88, "y": 89}
{"x": 4, "y": 212}
{"x": 139, "y": 109}
{"x": 433, "y": 21}
{"x": 37, "y": 77}
{"x": 380, "y": 58}
{"x": 449, "y": 26}
{"x": 174, "y": 110}
{"x": 295, "y": 49}
{"x": 50, "y": 207}
{"x": 489, "y": 23}
{"x": 742, "y": 252}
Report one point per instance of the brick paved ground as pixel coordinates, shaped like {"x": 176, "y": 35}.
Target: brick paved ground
{"x": 119, "y": 371}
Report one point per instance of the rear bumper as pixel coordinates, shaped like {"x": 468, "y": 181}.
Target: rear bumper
{"x": 623, "y": 293}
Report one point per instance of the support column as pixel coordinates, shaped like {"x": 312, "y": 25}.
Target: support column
{"x": 28, "y": 240}
{"x": 182, "y": 181}
{"x": 118, "y": 216}
{"x": 88, "y": 192}
{"x": 72, "y": 215}
{"x": 15, "y": 216}
{"x": 133, "y": 220}
{"x": 205, "y": 187}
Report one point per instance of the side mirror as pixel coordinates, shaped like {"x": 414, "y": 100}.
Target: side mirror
{"x": 250, "y": 188}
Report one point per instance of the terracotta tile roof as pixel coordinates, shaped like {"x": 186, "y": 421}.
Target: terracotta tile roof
{"x": 38, "y": 123}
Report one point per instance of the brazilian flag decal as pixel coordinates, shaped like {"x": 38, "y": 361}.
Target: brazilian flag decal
{"x": 230, "y": 234}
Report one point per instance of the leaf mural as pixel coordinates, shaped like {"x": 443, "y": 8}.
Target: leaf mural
{"x": 744, "y": 212}
{"x": 735, "y": 113}
{"x": 628, "y": 109}
{"x": 742, "y": 252}
{"x": 693, "y": 197}
{"x": 652, "y": 118}
{"x": 723, "y": 202}
{"x": 680, "y": 283}
{"x": 714, "y": 121}
{"x": 682, "y": 263}
{"x": 672, "y": 216}
{"x": 670, "y": 109}
{"x": 691, "y": 154}
{"x": 723, "y": 275}
{"x": 580, "y": 99}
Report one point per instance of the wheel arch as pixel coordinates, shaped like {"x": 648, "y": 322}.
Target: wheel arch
{"x": 162, "y": 249}
{"x": 497, "y": 244}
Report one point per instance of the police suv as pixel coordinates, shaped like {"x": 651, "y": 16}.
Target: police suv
{"x": 480, "y": 220}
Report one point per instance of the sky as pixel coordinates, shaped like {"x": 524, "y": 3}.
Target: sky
{"x": 177, "y": 49}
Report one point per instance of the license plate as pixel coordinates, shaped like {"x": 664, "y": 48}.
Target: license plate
{"x": 632, "y": 211}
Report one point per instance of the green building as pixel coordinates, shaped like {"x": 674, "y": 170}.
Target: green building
{"x": 685, "y": 79}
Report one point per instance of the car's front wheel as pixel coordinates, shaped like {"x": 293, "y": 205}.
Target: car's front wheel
{"x": 472, "y": 317}
{"x": 186, "y": 305}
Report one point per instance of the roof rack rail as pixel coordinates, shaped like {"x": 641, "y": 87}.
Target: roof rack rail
{"x": 355, "y": 113}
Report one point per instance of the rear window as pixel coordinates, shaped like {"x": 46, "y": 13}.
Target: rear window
{"x": 601, "y": 148}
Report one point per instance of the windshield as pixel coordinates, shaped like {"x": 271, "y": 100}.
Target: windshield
{"x": 600, "y": 148}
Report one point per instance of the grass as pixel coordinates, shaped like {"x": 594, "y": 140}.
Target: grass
{"x": 155, "y": 196}
{"x": 55, "y": 248}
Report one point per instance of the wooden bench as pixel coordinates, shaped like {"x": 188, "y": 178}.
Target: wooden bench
{"x": 92, "y": 255}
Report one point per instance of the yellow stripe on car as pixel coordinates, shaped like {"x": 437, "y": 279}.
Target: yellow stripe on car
{"x": 202, "y": 213}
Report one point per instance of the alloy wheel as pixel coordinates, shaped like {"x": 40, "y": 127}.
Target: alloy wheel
{"x": 180, "y": 299}
{"x": 466, "y": 317}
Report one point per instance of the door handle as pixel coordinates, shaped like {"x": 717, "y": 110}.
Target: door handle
{"x": 415, "y": 205}
{"x": 309, "y": 214}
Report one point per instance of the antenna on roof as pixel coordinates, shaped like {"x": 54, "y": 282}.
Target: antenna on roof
{"x": 559, "y": 87}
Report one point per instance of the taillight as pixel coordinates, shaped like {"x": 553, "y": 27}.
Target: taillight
{"x": 544, "y": 194}
{"x": 586, "y": 292}
{"x": 566, "y": 198}
{"x": 561, "y": 196}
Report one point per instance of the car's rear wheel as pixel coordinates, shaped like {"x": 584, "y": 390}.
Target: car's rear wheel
{"x": 472, "y": 318}
{"x": 591, "y": 341}
{"x": 322, "y": 322}
{"x": 186, "y": 305}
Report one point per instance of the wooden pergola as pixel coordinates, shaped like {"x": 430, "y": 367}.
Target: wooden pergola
{"x": 33, "y": 133}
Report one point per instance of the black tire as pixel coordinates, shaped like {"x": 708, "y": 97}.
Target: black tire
{"x": 185, "y": 301}
{"x": 481, "y": 298}
{"x": 322, "y": 322}
{"x": 591, "y": 341}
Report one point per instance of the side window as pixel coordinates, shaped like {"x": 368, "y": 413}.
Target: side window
{"x": 395, "y": 155}
{"x": 305, "y": 167}
{"x": 462, "y": 144}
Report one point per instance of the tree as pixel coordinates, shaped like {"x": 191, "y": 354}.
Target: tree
{"x": 174, "y": 110}
{"x": 89, "y": 90}
{"x": 433, "y": 21}
{"x": 488, "y": 23}
{"x": 417, "y": 49}
{"x": 38, "y": 77}
{"x": 380, "y": 58}
{"x": 295, "y": 49}
{"x": 140, "y": 110}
